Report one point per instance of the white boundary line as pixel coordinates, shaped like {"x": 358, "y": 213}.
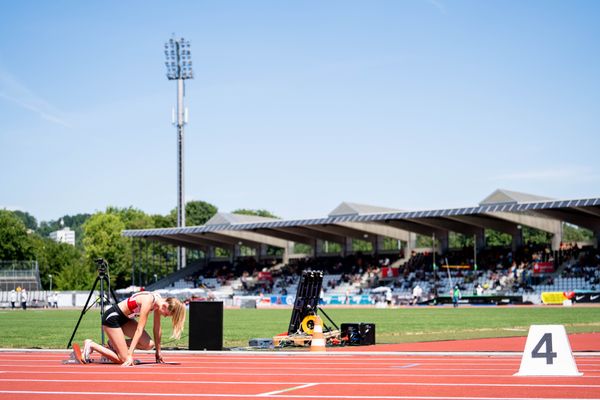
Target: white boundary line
{"x": 301, "y": 385}
{"x": 288, "y": 389}
{"x": 318, "y": 354}
{"x": 137, "y": 394}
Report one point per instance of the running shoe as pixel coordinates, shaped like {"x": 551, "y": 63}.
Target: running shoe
{"x": 87, "y": 350}
{"x": 77, "y": 353}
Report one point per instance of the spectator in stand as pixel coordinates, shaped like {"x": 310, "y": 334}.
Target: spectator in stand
{"x": 479, "y": 290}
{"x": 416, "y": 294}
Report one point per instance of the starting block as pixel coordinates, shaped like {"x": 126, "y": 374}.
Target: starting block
{"x": 548, "y": 353}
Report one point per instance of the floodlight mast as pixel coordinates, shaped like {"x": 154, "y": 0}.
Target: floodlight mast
{"x": 179, "y": 68}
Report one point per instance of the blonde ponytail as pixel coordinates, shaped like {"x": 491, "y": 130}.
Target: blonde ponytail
{"x": 177, "y": 309}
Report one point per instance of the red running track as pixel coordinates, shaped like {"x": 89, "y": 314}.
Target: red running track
{"x": 578, "y": 342}
{"x": 331, "y": 375}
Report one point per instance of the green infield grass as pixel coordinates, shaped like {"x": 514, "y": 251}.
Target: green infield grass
{"x": 48, "y": 328}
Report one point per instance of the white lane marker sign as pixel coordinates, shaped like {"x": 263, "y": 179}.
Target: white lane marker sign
{"x": 548, "y": 353}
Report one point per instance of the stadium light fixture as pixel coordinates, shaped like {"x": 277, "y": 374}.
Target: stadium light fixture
{"x": 178, "y": 61}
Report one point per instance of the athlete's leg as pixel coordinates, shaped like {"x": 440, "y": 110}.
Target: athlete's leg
{"x": 145, "y": 342}
{"x": 117, "y": 342}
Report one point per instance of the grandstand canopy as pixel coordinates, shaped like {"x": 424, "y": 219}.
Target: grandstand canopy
{"x": 503, "y": 210}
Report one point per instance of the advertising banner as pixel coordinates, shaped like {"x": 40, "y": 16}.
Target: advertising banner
{"x": 543, "y": 267}
{"x": 587, "y": 297}
{"x": 553, "y": 297}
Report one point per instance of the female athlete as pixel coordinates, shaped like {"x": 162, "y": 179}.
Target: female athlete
{"x": 119, "y": 321}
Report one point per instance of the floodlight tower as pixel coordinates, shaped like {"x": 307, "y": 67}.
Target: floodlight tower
{"x": 179, "y": 68}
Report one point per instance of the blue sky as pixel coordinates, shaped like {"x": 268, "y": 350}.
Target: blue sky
{"x": 297, "y": 106}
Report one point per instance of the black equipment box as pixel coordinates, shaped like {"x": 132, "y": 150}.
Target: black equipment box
{"x": 358, "y": 334}
{"x": 206, "y": 325}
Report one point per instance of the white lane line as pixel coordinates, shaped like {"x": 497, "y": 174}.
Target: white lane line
{"x": 231, "y": 367}
{"x": 119, "y": 372}
{"x": 282, "y": 396}
{"x": 287, "y": 390}
{"x": 302, "y": 384}
{"x": 405, "y": 366}
{"x": 301, "y": 362}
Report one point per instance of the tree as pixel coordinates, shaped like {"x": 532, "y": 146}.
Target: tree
{"x": 258, "y": 213}
{"x": 131, "y": 217}
{"x": 28, "y": 219}
{"x": 196, "y": 213}
{"x": 458, "y": 240}
{"x": 103, "y": 240}
{"x": 162, "y": 221}
{"x": 497, "y": 239}
{"x": 424, "y": 241}
{"x": 573, "y": 233}
{"x": 74, "y": 277}
{"x": 15, "y": 243}
{"x": 536, "y": 236}
{"x": 361, "y": 245}
{"x": 53, "y": 257}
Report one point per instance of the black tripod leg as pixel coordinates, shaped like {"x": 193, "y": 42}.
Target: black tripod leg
{"x": 112, "y": 292}
{"x": 329, "y": 319}
{"x": 83, "y": 311}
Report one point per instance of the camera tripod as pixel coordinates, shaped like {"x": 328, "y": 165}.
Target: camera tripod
{"x": 105, "y": 291}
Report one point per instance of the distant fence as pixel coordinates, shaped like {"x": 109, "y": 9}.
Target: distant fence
{"x": 24, "y": 274}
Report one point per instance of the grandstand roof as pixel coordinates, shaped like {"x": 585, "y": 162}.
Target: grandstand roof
{"x": 346, "y": 208}
{"x": 503, "y": 210}
{"x": 502, "y": 196}
{"x": 229, "y": 218}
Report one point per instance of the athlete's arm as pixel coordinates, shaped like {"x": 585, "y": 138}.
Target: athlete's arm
{"x": 157, "y": 335}
{"x": 145, "y": 309}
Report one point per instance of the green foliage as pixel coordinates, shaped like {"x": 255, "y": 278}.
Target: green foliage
{"x": 28, "y": 219}
{"x": 361, "y": 245}
{"x": 103, "y": 240}
{"x": 536, "y": 236}
{"x": 75, "y": 277}
{"x": 424, "y": 241}
{"x": 573, "y": 233}
{"x": 53, "y": 257}
{"x": 196, "y": 213}
{"x": 459, "y": 241}
{"x": 258, "y": 213}
{"x": 162, "y": 221}
{"x": 390, "y": 244}
{"x": 497, "y": 239}
{"x": 332, "y": 247}
{"x": 301, "y": 248}
{"x": 15, "y": 243}
{"x": 132, "y": 218}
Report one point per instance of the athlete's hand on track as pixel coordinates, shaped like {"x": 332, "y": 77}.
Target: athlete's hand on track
{"x": 128, "y": 362}
{"x": 159, "y": 359}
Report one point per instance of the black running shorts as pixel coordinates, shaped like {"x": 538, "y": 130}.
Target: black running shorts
{"x": 113, "y": 317}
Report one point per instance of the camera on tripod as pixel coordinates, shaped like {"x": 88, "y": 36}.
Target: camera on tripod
{"x": 104, "y": 296}
{"x": 102, "y": 266}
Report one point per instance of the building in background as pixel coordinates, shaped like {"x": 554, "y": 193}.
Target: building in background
{"x": 65, "y": 235}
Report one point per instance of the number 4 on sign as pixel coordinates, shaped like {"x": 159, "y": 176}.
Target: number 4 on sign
{"x": 548, "y": 353}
